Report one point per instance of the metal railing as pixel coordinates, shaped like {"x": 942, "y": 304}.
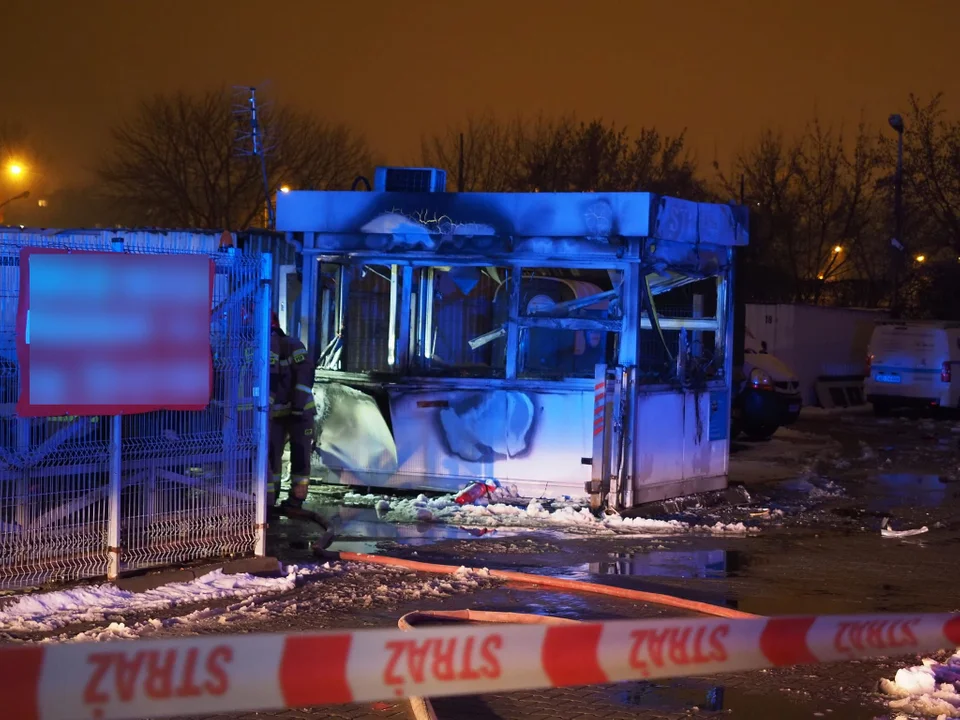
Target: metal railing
{"x": 92, "y": 496}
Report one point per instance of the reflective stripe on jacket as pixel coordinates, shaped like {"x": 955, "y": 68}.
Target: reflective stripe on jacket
{"x": 291, "y": 377}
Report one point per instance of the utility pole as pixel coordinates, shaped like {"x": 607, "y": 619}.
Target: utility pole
{"x": 257, "y": 148}
{"x": 460, "y": 167}
{"x": 899, "y": 248}
{"x": 738, "y": 297}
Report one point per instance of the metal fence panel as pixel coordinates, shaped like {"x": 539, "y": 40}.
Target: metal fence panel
{"x": 188, "y": 481}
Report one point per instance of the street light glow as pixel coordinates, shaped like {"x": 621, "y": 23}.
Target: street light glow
{"x": 284, "y": 188}
{"x": 837, "y": 250}
{"x": 15, "y": 169}
{"x": 921, "y": 258}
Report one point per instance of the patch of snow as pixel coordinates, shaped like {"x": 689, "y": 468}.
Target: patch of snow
{"x": 394, "y": 224}
{"x": 931, "y": 689}
{"x": 786, "y": 433}
{"x": 344, "y": 587}
{"x": 813, "y": 486}
{"x": 812, "y": 412}
{"x": 534, "y": 514}
{"x": 48, "y": 611}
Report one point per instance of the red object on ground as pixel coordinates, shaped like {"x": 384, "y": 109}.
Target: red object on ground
{"x": 471, "y": 493}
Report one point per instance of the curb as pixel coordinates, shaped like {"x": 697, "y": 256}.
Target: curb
{"x": 261, "y": 566}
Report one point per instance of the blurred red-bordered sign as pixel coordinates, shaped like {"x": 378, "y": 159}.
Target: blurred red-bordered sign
{"x": 102, "y": 333}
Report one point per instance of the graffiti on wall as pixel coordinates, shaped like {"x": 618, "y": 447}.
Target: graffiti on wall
{"x": 445, "y": 439}
{"x": 487, "y": 425}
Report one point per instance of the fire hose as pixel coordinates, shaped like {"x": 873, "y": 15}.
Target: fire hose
{"x": 421, "y": 707}
{"x": 694, "y": 606}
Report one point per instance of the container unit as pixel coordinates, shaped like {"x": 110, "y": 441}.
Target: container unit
{"x": 820, "y": 344}
{"x": 563, "y": 343}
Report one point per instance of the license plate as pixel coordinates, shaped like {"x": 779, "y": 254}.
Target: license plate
{"x": 794, "y": 408}
{"x": 887, "y": 377}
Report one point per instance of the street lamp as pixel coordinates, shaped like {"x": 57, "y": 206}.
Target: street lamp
{"x": 15, "y": 169}
{"x": 837, "y": 250}
{"x": 284, "y": 189}
{"x": 896, "y": 122}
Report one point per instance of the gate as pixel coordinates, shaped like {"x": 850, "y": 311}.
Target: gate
{"x": 93, "y": 496}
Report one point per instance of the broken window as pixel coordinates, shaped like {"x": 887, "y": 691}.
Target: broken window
{"x": 456, "y": 321}
{"x": 570, "y": 321}
{"x": 454, "y": 326}
{"x": 681, "y": 345}
{"x": 565, "y": 353}
{"x": 355, "y": 307}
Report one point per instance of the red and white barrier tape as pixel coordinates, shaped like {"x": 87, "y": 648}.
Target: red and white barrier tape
{"x": 188, "y": 676}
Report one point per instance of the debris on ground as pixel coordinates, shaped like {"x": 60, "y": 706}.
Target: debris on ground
{"x": 888, "y": 532}
{"x": 511, "y": 511}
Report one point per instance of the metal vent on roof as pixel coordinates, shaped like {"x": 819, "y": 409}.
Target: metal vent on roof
{"x": 409, "y": 180}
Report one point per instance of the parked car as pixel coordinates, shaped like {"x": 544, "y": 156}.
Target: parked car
{"x": 767, "y": 394}
{"x": 910, "y": 364}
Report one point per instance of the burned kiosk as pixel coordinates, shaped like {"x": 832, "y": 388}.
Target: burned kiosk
{"x": 563, "y": 343}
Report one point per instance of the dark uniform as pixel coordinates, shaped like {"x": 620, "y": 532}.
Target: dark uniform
{"x": 292, "y": 412}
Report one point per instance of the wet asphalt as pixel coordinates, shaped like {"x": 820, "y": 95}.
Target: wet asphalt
{"x": 817, "y": 494}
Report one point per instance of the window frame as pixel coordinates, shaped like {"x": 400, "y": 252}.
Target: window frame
{"x": 411, "y": 319}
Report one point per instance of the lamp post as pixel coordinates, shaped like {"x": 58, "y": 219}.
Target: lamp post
{"x": 22, "y": 196}
{"x": 896, "y": 122}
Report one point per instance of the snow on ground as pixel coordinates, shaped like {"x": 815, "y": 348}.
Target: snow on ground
{"x": 331, "y": 593}
{"x": 810, "y": 411}
{"x": 508, "y": 511}
{"x": 931, "y": 689}
{"x": 51, "y": 610}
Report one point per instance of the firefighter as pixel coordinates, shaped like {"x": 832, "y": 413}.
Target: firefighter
{"x": 292, "y": 411}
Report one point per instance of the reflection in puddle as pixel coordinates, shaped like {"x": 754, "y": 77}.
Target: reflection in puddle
{"x": 359, "y": 530}
{"x": 672, "y": 564}
{"x": 907, "y": 489}
{"x": 693, "y": 695}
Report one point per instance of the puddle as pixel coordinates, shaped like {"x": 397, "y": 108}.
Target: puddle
{"x": 672, "y": 564}
{"x": 637, "y": 573}
{"x": 895, "y": 490}
{"x": 361, "y": 530}
{"x": 694, "y": 696}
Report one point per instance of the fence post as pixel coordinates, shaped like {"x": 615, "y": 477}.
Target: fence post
{"x": 261, "y": 399}
{"x": 113, "y": 489}
{"x": 113, "y": 500}
{"x": 233, "y": 356}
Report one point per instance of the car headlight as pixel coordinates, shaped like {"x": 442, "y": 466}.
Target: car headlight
{"x": 760, "y": 379}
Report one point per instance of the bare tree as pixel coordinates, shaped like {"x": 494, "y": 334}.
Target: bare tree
{"x": 599, "y": 157}
{"x": 176, "y": 161}
{"x": 563, "y": 155}
{"x": 492, "y": 153}
{"x": 932, "y": 177}
{"x": 814, "y": 216}
{"x": 767, "y": 172}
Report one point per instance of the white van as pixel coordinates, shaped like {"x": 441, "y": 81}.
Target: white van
{"x": 911, "y": 364}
